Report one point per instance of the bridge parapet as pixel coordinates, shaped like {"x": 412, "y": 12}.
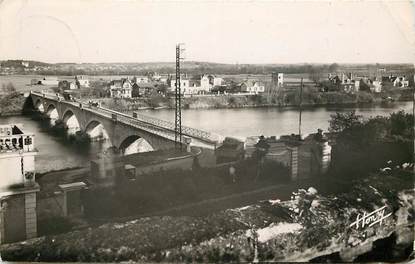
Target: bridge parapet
{"x": 166, "y": 125}
{"x": 189, "y": 131}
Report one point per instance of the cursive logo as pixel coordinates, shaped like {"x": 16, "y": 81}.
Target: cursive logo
{"x": 370, "y": 219}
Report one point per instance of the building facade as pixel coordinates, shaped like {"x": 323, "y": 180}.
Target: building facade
{"x": 83, "y": 81}
{"x": 251, "y": 86}
{"x": 280, "y": 79}
{"x": 184, "y": 84}
{"x": 121, "y": 88}
{"x": 18, "y": 188}
{"x": 141, "y": 79}
{"x": 50, "y": 80}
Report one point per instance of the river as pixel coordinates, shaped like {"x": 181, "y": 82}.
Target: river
{"x": 243, "y": 122}
{"x": 56, "y": 153}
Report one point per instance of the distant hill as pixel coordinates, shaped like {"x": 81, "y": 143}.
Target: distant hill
{"x": 201, "y": 67}
{"x": 19, "y": 63}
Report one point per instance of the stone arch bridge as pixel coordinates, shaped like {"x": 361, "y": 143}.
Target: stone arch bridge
{"x": 120, "y": 129}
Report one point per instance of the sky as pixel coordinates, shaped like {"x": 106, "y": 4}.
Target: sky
{"x": 84, "y": 31}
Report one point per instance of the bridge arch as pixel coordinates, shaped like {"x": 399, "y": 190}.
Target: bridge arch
{"x": 134, "y": 144}
{"x": 71, "y": 122}
{"x": 39, "y": 106}
{"x": 52, "y": 111}
{"x": 96, "y": 131}
{"x": 52, "y": 114}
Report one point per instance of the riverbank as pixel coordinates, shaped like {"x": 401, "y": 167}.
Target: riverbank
{"x": 12, "y": 104}
{"x": 15, "y": 103}
{"x": 287, "y": 99}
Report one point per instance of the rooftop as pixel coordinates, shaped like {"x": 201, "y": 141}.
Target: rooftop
{"x": 10, "y": 129}
{"x": 13, "y": 139}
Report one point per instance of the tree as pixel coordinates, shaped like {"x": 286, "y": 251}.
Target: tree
{"x": 333, "y": 67}
{"x": 162, "y": 88}
{"x": 363, "y": 146}
{"x": 342, "y": 121}
{"x": 98, "y": 89}
{"x": 402, "y": 125}
{"x": 8, "y": 88}
{"x": 315, "y": 74}
{"x": 329, "y": 86}
{"x": 233, "y": 87}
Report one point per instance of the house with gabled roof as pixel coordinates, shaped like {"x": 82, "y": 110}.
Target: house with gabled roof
{"x": 121, "y": 88}
{"x": 252, "y": 86}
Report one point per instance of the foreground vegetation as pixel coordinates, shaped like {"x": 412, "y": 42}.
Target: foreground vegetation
{"x": 307, "y": 226}
{"x": 370, "y": 143}
{"x": 164, "y": 189}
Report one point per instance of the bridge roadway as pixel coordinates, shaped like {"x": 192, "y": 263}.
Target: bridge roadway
{"x": 149, "y": 124}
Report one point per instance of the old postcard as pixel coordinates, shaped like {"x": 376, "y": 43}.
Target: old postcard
{"x": 206, "y": 131}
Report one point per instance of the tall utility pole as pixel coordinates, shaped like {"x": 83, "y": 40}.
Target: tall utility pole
{"x": 301, "y": 102}
{"x": 178, "y": 100}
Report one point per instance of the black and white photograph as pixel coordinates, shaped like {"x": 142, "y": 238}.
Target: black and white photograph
{"x": 207, "y": 131}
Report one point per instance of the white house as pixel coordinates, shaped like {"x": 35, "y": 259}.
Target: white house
{"x": 217, "y": 81}
{"x": 184, "y": 84}
{"x": 280, "y": 79}
{"x": 251, "y": 86}
{"x": 141, "y": 79}
{"x": 401, "y": 82}
{"x": 258, "y": 87}
{"x": 357, "y": 85}
{"x": 205, "y": 84}
{"x": 50, "y": 80}
{"x": 376, "y": 86}
{"x": 72, "y": 86}
{"x": 121, "y": 88}
{"x": 83, "y": 81}
{"x": 163, "y": 80}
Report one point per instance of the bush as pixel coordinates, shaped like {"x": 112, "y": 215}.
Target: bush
{"x": 363, "y": 146}
{"x": 54, "y": 225}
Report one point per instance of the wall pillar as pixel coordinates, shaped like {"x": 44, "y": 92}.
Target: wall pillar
{"x": 75, "y": 205}
{"x": 30, "y": 213}
{"x": 18, "y": 216}
{"x": 187, "y": 141}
